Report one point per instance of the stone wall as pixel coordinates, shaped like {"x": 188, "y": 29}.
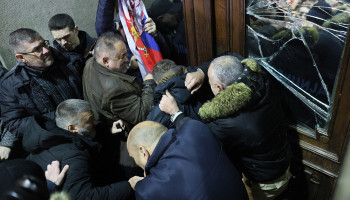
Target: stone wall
{"x": 35, "y": 14}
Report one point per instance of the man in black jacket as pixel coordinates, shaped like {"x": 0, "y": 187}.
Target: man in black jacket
{"x": 68, "y": 37}
{"x": 69, "y": 141}
{"x": 41, "y": 79}
{"x": 246, "y": 118}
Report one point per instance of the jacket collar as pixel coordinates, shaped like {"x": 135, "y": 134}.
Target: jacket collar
{"x": 43, "y": 133}
{"x": 164, "y": 142}
{"x": 248, "y": 89}
{"x": 108, "y": 72}
{"x": 227, "y": 102}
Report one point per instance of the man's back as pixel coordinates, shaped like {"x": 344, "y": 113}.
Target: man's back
{"x": 46, "y": 142}
{"x": 190, "y": 164}
{"x": 251, "y": 128}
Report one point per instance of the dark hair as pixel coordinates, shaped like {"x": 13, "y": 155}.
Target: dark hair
{"x": 166, "y": 69}
{"x": 19, "y": 36}
{"x": 61, "y": 21}
{"x": 105, "y": 43}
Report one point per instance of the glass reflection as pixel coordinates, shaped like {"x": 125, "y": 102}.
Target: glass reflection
{"x": 168, "y": 16}
{"x": 300, "y": 43}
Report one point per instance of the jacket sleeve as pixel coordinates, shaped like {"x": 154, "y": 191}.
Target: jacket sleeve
{"x": 180, "y": 120}
{"x": 130, "y": 107}
{"x": 79, "y": 182}
{"x": 13, "y": 115}
{"x": 163, "y": 45}
{"x": 104, "y": 17}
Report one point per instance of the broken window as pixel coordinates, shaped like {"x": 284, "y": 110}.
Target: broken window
{"x": 300, "y": 43}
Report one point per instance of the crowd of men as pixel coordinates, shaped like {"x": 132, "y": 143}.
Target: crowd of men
{"x": 212, "y": 132}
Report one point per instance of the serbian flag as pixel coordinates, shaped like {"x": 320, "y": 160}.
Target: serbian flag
{"x": 133, "y": 14}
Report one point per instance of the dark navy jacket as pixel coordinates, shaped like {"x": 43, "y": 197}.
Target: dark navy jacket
{"x": 86, "y": 45}
{"x": 190, "y": 163}
{"x": 21, "y": 97}
{"x": 188, "y": 104}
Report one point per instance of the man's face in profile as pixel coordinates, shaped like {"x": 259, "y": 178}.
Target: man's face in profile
{"x": 87, "y": 124}
{"x": 119, "y": 62}
{"x": 37, "y": 54}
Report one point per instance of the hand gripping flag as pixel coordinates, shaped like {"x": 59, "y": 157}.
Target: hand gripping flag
{"x": 133, "y": 14}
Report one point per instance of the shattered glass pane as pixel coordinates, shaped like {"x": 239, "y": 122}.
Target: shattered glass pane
{"x": 300, "y": 43}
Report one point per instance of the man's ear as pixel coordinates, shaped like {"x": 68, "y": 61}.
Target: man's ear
{"x": 105, "y": 60}
{"x": 76, "y": 29}
{"x": 144, "y": 152}
{"x": 220, "y": 87}
{"x": 72, "y": 128}
{"x": 20, "y": 57}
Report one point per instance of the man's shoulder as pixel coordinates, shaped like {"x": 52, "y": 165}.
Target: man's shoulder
{"x": 13, "y": 77}
{"x": 193, "y": 126}
{"x": 90, "y": 40}
{"x": 66, "y": 57}
{"x": 70, "y": 60}
{"x": 93, "y": 70}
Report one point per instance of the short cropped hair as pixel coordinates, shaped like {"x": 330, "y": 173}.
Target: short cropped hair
{"x": 18, "y": 37}
{"x": 145, "y": 133}
{"x": 226, "y": 69}
{"x": 69, "y": 112}
{"x": 61, "y": 21}
{"x": 166, "y": 69}
{"x": 105, "y": 44}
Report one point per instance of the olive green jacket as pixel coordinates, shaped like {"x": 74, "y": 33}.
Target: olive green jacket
{"x": 115, "y": 96}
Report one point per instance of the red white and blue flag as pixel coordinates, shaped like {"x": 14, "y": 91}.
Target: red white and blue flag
{"x": 133, "y": 14}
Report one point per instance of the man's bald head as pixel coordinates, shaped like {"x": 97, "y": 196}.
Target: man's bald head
{"x": 146, "y": 133}
{"x": 143, "y": 138}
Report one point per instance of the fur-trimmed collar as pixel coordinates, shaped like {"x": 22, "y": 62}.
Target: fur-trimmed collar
{"x": 247, "y": 89}
{"x": 227, "y": 102}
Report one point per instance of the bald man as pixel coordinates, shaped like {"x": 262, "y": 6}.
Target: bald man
{"x": 187, "y": 163}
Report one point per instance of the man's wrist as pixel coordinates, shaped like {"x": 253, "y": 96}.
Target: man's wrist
{"x": 199, "y": 69}
{"x": 175, "y": 115}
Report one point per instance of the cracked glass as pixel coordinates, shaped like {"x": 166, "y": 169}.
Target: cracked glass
{"x": 300, "y": 43}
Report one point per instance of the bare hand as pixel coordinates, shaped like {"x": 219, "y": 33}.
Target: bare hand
{"x": 118, "y": 126}
{"x": 150, "y": 27}
{"x": 194, "y": 81}
{"x": 149, "y": 76}
{"x": 133, "y": 63}
{"x": 53, "y": 172}
{"x": 168, "y": 104}
{"x": 4, "y": 153}
{"x": 133, "y": 180}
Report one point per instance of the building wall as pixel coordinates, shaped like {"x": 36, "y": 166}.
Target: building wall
{"x": 36, "y": 13}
